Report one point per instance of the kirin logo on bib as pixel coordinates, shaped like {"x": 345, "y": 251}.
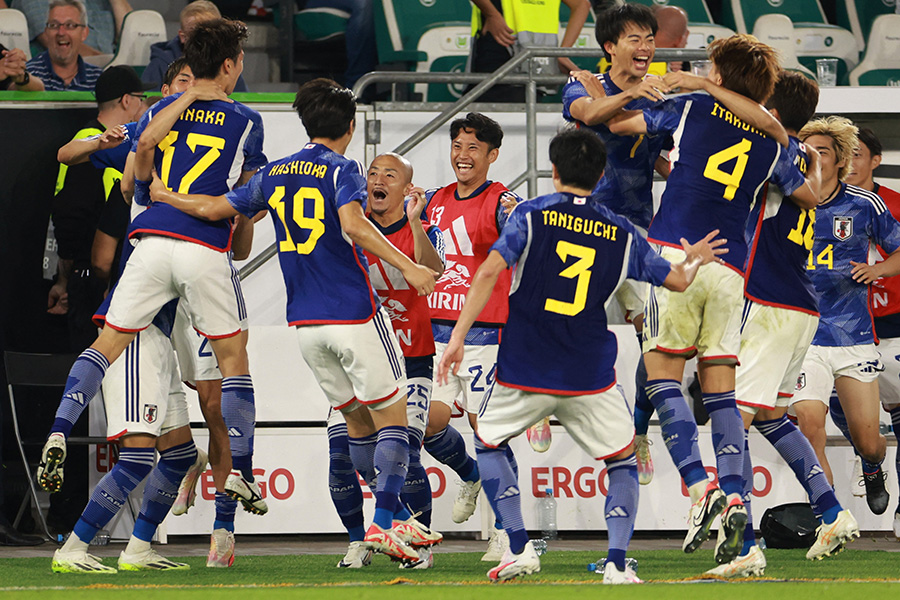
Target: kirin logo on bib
{"x": 843, "y": 228}
{"x": 150, "y": 413}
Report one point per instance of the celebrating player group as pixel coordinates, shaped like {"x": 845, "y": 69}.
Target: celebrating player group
{"x": 411, "y": 306}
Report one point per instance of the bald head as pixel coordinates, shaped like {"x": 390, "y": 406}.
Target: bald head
{"x": 389, "y": 180}
{"x": 673, "y": 27}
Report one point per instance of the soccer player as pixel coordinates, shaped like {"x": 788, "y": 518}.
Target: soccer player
{"x": 719, "y": 163}
{"x": 557, "y": 355}
{"x": 316, "y": 198}
{"x": 780, "y": 318}
{"x": 389, "y": 183}
{"x": 217, "y": 144}
{"x": 470, "y": 213}
{"x": 843, "y": 353}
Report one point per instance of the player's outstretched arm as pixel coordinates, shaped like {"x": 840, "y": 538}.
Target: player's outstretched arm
{"x": 482, "y": 285}
{"x": 209, "y": 208}
{"x": 600, "y": 108}
{"x": 703, "y": 252}
{"x": 79, "y": 151}
{"x": 425, "y": 253}
{"x": 807, "y": 195}
{"x": 359, "y": 229}
{"x": 628, "y": 122}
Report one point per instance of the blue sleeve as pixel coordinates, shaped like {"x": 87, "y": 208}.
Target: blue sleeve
{"x": 664, "y": 117}
{"x": 787, "y": 175}
{"x": 350, "y": 184}
{"x": 885, "y": 231}
{"x": 514, "y": 236}
{"x": 249, "y": 199}
{"x": 501, "y": 211}
{"x": 644, "y": 264}
{"x": 572, "y": 92}
{"x": 141, "y": 126}
{"x": 437, "y": 240}
{"x": 253, "y": 147}
{"x": 141, "y": 192}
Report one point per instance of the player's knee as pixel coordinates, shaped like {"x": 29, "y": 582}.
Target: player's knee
{"x": 872, "y": 448}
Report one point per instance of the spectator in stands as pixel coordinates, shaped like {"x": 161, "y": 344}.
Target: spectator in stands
{"x": 105, "y": 18}
{"x": 60, "y": 66}
{"x": 673, "y": 30}
{"x": 163, "y": 53}
{"x": 362, "y": 54}
{"x": 13, "y": 74}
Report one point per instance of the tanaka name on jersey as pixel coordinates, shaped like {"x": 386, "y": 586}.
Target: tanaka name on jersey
{"x": 199, "y": 115}
{"x": 580, "y": 225}
{"x": 723, "y": 113}
{"x": 299, "y": 167}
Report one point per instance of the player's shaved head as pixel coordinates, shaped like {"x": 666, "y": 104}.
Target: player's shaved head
{"x": 672, "y": 26}
{"x": 579, "y": 157}
{"x": 746, "y": 65}
{"x": 388, "y": 181}
{"x": 392, "y": 160}
{"x": 843, "y": 134}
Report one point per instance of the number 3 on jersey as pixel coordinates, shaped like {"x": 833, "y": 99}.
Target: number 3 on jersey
{"x": 314, "y": 224}
{"x": 580, "y": 269}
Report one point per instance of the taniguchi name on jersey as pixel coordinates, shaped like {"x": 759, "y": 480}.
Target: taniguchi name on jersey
{"x": 299, "y": 167}
{"x": 580, "y": 225}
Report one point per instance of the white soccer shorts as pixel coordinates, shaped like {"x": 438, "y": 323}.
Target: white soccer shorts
{"x": 464, "y": 392}
{"x": 631, "y": 296}
{"x": 889, "y": 380}
{"x": 359, "y": 362}
{"x": 824, "y": 364}
{"x": 602, "y": 424}
{"x": 704, "y": 320}
{"x": 142, "y": 389}
{"x": 774, "y": 342}
{"x": 195, "y": 354}
{"x": 417, "y": 396}
{"x": 161, "y": 269}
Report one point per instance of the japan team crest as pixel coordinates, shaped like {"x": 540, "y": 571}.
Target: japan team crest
{"x": 801, "y": 382}
{"x": 843, "y": 228}
{"x": 150, "y": 413}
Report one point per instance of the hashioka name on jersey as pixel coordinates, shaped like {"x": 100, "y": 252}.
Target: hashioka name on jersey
{"x": 409, "y": 313}
{"x": 627, "y": 184}
{"x": 846, "y": 229}
{"x": 886, "y": 291}
{"x": 780, "y": 236}
{"x": 326, "y": 275}
{"x": 206, "y": 151}
{"x": 718, "y": 167}
{"x": 570, "y": 255}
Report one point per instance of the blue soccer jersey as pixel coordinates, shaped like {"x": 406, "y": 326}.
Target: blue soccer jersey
{"x": 114, "y": 158}
{"x": 206, "y": 151}
{"x": 570, "y": 255}
{"x": 780, "y": 235}
{"x": 325, "y": 274}
{"x": 719, "y": 165}
{"x": 627, "y": 184}
{"x": 846, "y": 229}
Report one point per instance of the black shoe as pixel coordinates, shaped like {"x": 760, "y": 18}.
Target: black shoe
{"x": 11, "y": 537}
{"x": 877, "y": 496}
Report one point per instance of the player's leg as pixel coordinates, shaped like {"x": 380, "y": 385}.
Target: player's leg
{"x": 867, "y": 476}
{"x": 895, "y": 425}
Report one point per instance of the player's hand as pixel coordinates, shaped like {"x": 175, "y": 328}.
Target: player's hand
{"x": 450, "y": 360}
{"x": 685, "y": 81}
{"x": 590, "y": 82}
{"x": 706, "y": 250}
{"x": 157, "y": 189}
{"x": 651, "y": 88}
{"x": 207, "y": 90}
{"x": 112, "y": 137}
{"x": 508, "y": 201}
{"x": 864, "y": 273}
{"x": 58, "y": 300}
{"x": 421, "y": 278}
{"x": 416, "y": 204}
{"x": 496, "y": 25}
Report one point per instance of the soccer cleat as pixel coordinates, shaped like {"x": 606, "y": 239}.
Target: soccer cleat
{"x": 877, "y": 496}
{"x": 644, "y": 460}
{"x": 221, "y": 549}
{"x": 149, "y": 560}
{"x": 858, "y": 490}
{"x": 897, "y": 523}
{"x": 613, "y": 576}
{"x": 498, "y": 544}
{"x": 389, "y": 543}
{"x": 539, "y": 435}
{"x": 701, "y": 516}
{"x": 78, "y": 562}
{"x": 464, "y": 505}
{"x": 50, "y": 469}
{"x": 187, "y": 490}
{"x": 831, "y": 537}
{"x": 426, "y": 560}
{"x": 734, "y": 522}
{"x": 753, "y": 564}
{"x": 415, "y": 534}
{"x": 246, "y": 493}
{"x": 357, "y": 557}
{"x": 514, "y": 565}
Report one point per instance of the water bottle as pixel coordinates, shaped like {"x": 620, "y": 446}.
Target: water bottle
{"x": 547, "y": 515}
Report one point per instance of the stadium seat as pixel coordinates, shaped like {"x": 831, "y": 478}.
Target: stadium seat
{"x": 445, "y": 50}
{"x": 140, "y": 30}
{"x": 881, "y": 64}
{"x": 317, "y": 24}
{"x": 778, "y": 32}
{"x": 14, "y": 30}
{"x": 700, "y": 24}
{"x": 859, "y": 15}
{"x": 400, "y": 25}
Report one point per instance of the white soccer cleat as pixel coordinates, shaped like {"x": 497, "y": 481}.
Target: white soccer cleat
{"x": 613, "y": 576}
{"x": 498, "y": 544}
{"x": 731, "y": 538}
{"x": 149, "y": 560}
{"x": 426, "y": 560}
{"x": 701, "y": 516}
{"x": 751, "y": 565}
{"x": 50, "y": 469}
{"x": 79, "y": 561}
{"x": 644, "y": 460}
{"x": 416, "y": 534}
{"x": 187, "y": 490}
{"x": 246, "y": 493}
{"x": 832, "y": 537}
{"x": 515, "y": 565}
{"x": 464, "y": 505}
{"x": 388, "y": 542}
{"x": 539, "y": 435}
{"x": 358, "y": 556}
{"x": 221, "y": 549}
{"x": 858, "y": 490}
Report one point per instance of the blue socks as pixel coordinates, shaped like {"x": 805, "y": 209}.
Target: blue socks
{"x": 621, "y": 507}
{"x": 82, "y": 385}
{"x": 239, "y": 413}
{"x": 749, "y": 535}
{"x": 391, "y": 463}
{"x": 643, "y": 408}
{"x": 679, "y": 428}
{"x": 162, "y": 487}
{"x": 343, "y": 485}
{"x": 449, "y": 448}
{"x": 416, "y": 494}
{"x": 362, "y": 455}
{"x": 895, "y": 424}
{"x": 796, "y": 450}
{"x": 225, "y": 508}
{"x": 728, "y": 440}
{"x": 502, "y": 489}
{"x": 111, "y": 493}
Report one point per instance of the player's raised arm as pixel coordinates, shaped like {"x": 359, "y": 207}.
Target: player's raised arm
{"x": 425, "y": 252}
{"x": 705, "y": 251}
{"x": 79, "y": 151}
{"x": 807, "y": 195}
{"x": 208, "y": 208}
